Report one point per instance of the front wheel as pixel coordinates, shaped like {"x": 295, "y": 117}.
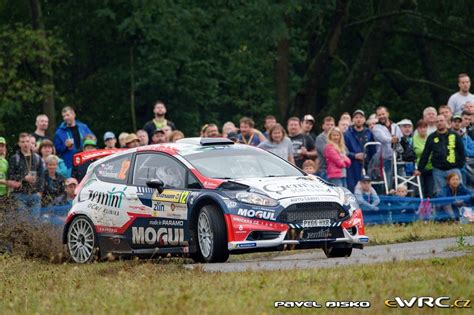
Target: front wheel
{"x": 211, "y": 235}
{"x": 334, "y": 252}
{"x": 81, "y": 240}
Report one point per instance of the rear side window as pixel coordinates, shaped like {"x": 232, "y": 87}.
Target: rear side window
{"x": 114, "y": 170}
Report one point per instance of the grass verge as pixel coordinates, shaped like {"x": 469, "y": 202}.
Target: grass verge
{"x": 131, "y": 287}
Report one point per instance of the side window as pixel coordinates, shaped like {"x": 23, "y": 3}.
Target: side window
{"x": 158, "y": 166}
{"x": 114, "y": 170}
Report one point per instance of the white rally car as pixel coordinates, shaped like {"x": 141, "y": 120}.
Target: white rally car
{"x": 206, "y": 198}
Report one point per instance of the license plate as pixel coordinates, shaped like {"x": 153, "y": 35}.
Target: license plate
{"x": 316, "y": 223}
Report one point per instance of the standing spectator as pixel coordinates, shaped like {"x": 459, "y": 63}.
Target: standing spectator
{"x": 269, "y": 122}
{"x": 429, "y": 116}
{"x": 455, "y": 188}
{"x": 336, "y": 158}
{"x": 303, "y": 145}
{"x": 447, "y": 154}
{"x": 3, "y": 169}
{"x": 466, "y": 122}
{"x": 210, "y": 131}
{"x": 132, "y": 141}
{"x": 346, "y": 116}
{"x": 69, "y": 194}
{"x": 278, "y": 143}
{"x": 366, "y": 195}
{"x": 355, "y": 138}
{"x": 321, "y": 141}
{"x": 467, "y": 171}
{"x": 142, "y": 135}
{"x": 41, "y": 124}
{"x": 227, "y": 128}
{"x": 159, "y": 122}
{"x": 458, "y": 99}
{"x": 343, "y": 125}
{"x": 408, "y": 156}
{"x": 158, "y": 137}
{"x": 307, "y": 126}
{"x": 310, "y": 167}
{"x": 109, "y": 140}
{"x": 446, "y": 111}
{"x": 419, "y": 142}
{"x": 34, "y": 148}
{"x": 247, "y": 133}
{"x": 469, "y": 107}
{"x": 176, "y": 135}
{"x": 456, "y": 124}
{"x": 25, "y": 177}
{"x": 167, "y": 130}
{"x": 80, "y": 171}
{"x": 46, "y": 149}
{"x": 69, "y": 136}
{"x": 53, "y": 181}
{"x": 371, "y": 122}
{"x": 122, "y": 137}
{"x": 388, "y": 134}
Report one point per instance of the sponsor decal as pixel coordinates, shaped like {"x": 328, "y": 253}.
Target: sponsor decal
{"x": 364, "y": 239}
{"x": 293, "y": 188}
{"x": 231, "y": 204}
{"x": 310, "y": 235}
{"x": 247, "y": 245}
{"x": 427, "y": 301}
{"x": 171, "y": 196}
{"x": 169, "y": 210}
{"x": 161, "y": 236}
{"x": 260, "y": 214}
{"x": 112, "y": 198}
{"x": 145, "y": 190}
{"x": 165, "y": 222}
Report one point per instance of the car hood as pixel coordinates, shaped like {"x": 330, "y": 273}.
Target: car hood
{"x": 285, "y": 187}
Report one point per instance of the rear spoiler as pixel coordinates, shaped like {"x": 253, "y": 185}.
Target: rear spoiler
{"x": 83, "y": 157}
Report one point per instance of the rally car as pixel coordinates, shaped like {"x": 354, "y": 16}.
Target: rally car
{"x": 205, "y": 198}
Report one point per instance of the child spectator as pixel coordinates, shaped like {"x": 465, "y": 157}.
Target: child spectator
{"x": 310, "y": 167}
{"x": 366, "y": 195}
{"x": 455, "y": 188}
{"x": 336, "y": 158}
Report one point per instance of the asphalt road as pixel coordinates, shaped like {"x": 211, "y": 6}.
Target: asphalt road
{"x": 369, "y": 255}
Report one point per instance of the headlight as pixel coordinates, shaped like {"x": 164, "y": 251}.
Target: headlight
{"x": 348, "y": 199}
{"x": 256, "y": 199}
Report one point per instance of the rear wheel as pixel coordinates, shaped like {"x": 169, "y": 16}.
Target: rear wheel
{"x": 211, "y": 236}
{"x": 334, "y": 252}
{"x": 81, "y": 240}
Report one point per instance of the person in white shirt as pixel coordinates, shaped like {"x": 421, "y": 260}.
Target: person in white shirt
{"x": 458, "y": 99}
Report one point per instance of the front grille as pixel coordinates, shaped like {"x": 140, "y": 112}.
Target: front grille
{"x": 312, "y": 211}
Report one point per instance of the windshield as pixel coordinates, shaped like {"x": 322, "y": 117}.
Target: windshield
{"x": 239, "y": 162}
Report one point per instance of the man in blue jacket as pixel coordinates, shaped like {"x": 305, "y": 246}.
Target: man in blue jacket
{"x": 356, "y": 137}
{"x": 69, "y": 137}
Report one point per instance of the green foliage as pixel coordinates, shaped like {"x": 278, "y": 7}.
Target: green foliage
{"x": 21, "y": 48}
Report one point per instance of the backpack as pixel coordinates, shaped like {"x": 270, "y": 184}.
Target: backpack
{"x": 408, "y": 154}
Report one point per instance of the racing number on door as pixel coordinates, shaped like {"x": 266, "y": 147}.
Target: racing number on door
{"x": 184, "y": 197}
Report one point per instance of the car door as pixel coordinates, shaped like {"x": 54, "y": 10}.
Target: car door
{"x": 163, "y": 219}
{"x": 105, "y": 194}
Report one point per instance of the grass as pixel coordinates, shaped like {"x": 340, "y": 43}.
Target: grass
{"x": 130, "y": 287}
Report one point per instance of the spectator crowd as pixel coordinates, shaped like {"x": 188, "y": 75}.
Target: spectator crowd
{"x": 351, "y": 151}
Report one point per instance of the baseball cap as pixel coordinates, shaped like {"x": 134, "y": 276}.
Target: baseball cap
{"x": 89, "y": 142}
{"x": 405, "y": 122}
{"x": 2, "y": 140}
{"x": 158, "y": 130}
{"x": 365, "y": 178}
{"x": 308, "y": 117}
{"x": 109, "y": 135}
{"x": 130, "y": 138}
{"x": 456, "y": 117}
{"x": 71, "y": 180}
{"x": 358, "y": 112}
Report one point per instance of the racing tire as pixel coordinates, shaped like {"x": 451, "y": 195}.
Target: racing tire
{"x": 335, "y": 252}
{"x": 211, "y": 236}
{"x": 82, "y": 240}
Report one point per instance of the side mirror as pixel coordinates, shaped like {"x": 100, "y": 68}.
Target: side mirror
{"x": 156, "y": 184}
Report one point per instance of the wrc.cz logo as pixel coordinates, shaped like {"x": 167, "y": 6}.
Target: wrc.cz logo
{"x": 428, "y": 301}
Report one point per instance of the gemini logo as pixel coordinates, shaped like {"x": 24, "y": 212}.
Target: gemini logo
{"x": 111, "y": 198}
